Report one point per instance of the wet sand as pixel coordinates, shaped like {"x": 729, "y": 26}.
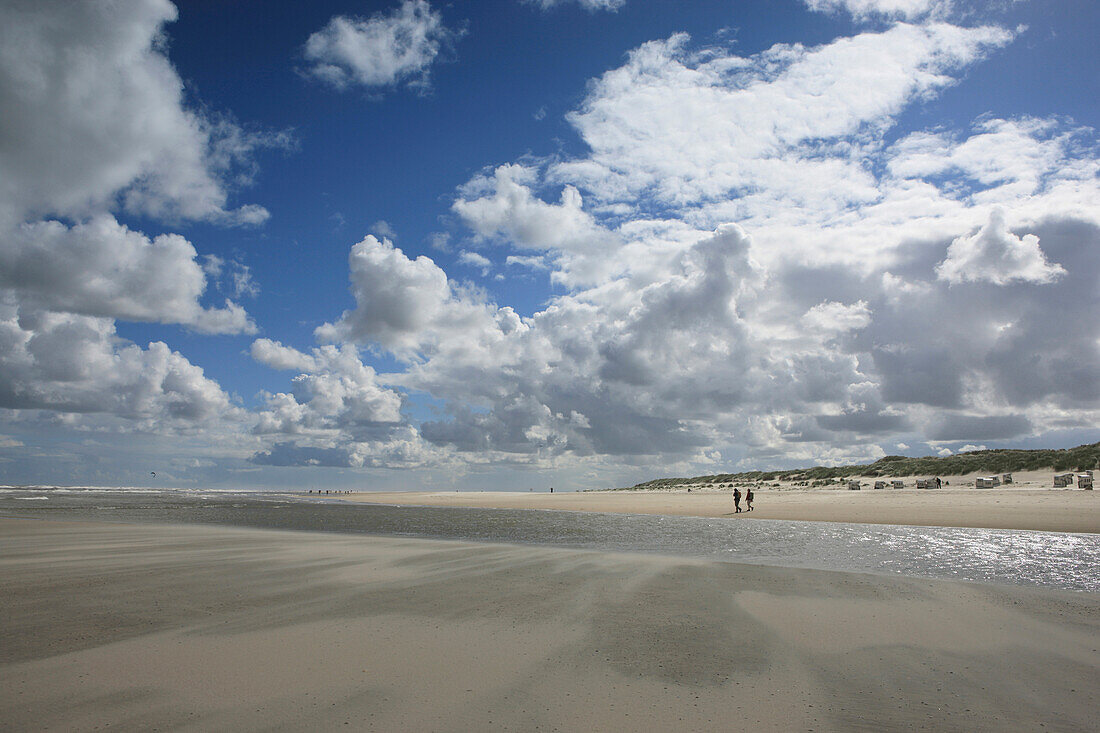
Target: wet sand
{"x": 144, "y": 627}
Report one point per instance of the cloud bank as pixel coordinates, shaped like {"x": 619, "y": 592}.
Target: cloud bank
{"x": 877, "y": 288}
{"x": 95, "y": 126}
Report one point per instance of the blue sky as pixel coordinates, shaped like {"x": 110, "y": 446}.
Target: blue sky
{"x": 517, "y": 244}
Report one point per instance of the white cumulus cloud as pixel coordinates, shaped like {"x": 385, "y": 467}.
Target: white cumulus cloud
{"x": 474, "y": 259}
{"x": 334, "y": 391}
{"x": 336, "y": 413}
{"x": 504, "y": 206}
{"x": 77, "y": 364}
{"x": 996, "y": 255}
{"x": 831, "y": 316}
{"x": 103, "y": 268}
{"x": 94, "y": 110}
{"x": 383, "y": 50}
{"x": 680, "y": 129}
{"x": 398, "y": 299}
{"x": 95, "y": 124}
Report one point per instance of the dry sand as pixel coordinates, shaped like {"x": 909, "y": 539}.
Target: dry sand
{"x": 142, "y": 627}
{"x": 1026, "y": 504}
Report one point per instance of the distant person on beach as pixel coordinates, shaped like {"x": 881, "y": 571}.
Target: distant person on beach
{"x": 748, "y": 499}
{"x": 736, "y": 501}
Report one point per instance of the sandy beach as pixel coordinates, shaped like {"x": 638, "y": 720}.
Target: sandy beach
{"x": 144, "y": 627}
{"x": 1026, "y": 504}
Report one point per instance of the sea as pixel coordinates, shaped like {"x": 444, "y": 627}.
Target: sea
{"x": 1016, "y": 557}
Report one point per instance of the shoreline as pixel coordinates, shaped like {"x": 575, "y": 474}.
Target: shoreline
{"x": 1020, "y": 507}
{"x": 202, "y": 628}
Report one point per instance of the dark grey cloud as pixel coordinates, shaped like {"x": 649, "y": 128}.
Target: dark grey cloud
{"x": 864, "y": 422}
{"x": 917, "y": 372}
{"x": 1031, "y": 340}
{"x": 1052, "y": 349}
{"x": 978, "y": 427}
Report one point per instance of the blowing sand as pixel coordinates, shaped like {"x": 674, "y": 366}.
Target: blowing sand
{"x": 144, "y": 627}
{"x": 1024, "y": 505}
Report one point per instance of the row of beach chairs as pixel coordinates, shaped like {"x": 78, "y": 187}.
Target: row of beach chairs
{"x": 1064, "y": 480}
{"x": 1061, "y": 480}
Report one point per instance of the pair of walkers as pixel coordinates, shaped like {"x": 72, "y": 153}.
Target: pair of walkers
{"x": 737, "y": 500}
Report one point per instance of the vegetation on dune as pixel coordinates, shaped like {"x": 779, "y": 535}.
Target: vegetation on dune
{"x": 1001, "y": 460}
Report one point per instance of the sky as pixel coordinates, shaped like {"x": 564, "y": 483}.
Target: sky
{"x": 514, "y": 244}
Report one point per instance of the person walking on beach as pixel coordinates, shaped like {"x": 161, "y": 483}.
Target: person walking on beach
{"x": 737, "y": 501}
{"x": 748, "y": 499}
